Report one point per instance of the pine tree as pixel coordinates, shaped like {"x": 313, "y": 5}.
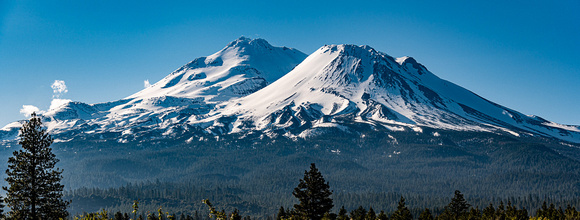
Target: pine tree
{"x": 34, "y": 190}
{"x": 488, "y": 212}
{"x": 426, "y": 215}
{"x": 371, "y": 215}
{"x": 314, "y": 195}
{"x": 543, "y": 212}
{"x": 358, "y": 214}
{"x": 402, "y": 212}
{"x": 342, "y": 214}
{"x": 458, "y": 206}
{"x": 382, "y": 216}
{"x": 2, "y": 208}
{"x": 500, "y": 211}
{"x": 118, "y": 216}
{"x": 571, "y": 213}
{"x": 235, "y": 215}
{"x": 329, "y": 216}
{"x": 474, "y": 214}
{"x": 281, "y": 213}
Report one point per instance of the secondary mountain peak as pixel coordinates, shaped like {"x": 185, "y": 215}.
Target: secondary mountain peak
{"x": 245, "y": 42}
{"x": 242, "y": 67}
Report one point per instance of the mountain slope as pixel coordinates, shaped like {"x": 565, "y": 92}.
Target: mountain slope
{"x": 241, "y": 68}
{"x": 254, "y": 116}
{"x": 341, "y": 84}
{"x": 252, "y": 87}
{"x": 363, "y": 114}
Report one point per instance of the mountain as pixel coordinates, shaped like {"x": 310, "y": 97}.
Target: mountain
{"x": 339, "y": 85}
{"x": 253, "y": 87}
{"x": 241, "y": 68}
{"x": 248, "y": 119}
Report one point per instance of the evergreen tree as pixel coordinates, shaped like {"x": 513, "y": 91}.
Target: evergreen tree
{"x": 382, "y": 216}
{"x": 118, "y": 216}
{"x": 500, "y": 211}
{"x": 34, "y": 190}
{"x": 458, "y": 206}
{"x": 402, "y": 212}
{"x": 314, "y": 195}
{"x": 426, "y": 215}
{"x": 559, "y": 214}
{"x": 135, "y": 208}
{"x": 543, "y": 212}
{"x": 1, "y": 208}
{"x": 235, "y": 215}
{"x": 371, "y": 215}
{"x": 281, "y": 213}
{"x": 488, "y": 212}
{"x": 571, "y": 213}
{"x": 474, "y": 214}
{"x": 342, "y": 214}
{"x": 511, "y": 211}
{"x": 523, "y": 214}
{"x": 358, "y": 214}
{"x": 329, "y": 216}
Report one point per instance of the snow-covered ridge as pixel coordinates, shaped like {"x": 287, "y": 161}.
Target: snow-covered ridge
{"x": 246, "y": 63}
{"x": 251, "y": 86}
{"x": 357, "y": 83}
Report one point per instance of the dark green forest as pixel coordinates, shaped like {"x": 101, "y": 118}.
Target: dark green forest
{"x": 256, "y": 173}
{"x": 312, "y": 193}
{"x": 185, "y": 198}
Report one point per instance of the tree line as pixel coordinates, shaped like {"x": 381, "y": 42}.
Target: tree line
{"x": 315, "y": 203}
{"x": 34, "y": 192}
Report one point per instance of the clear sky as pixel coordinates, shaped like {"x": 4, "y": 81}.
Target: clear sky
{"x": 524, "y": 55}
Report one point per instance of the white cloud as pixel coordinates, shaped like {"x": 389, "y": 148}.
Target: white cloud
{"x": 27, "y": 110}
{"x": 58, "y": 88}
{"x": 55, "y": 103}
{"x": 146, "y": 84}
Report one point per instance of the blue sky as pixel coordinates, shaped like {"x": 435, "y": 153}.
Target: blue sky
{"x": 521, "y": 54}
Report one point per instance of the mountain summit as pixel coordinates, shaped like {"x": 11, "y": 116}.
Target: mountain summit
{"x": 339, "y": 85}
{"x": 244, "y": 66}
{"x": 253, "y": 87}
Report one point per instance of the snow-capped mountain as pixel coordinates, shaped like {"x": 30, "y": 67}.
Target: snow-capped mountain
{"x": 253, "y": 87}
{"x": 341, "y": 84}
{"x": 241, "y": 68}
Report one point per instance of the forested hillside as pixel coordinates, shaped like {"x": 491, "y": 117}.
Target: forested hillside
{"x": 256, "y": 175}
